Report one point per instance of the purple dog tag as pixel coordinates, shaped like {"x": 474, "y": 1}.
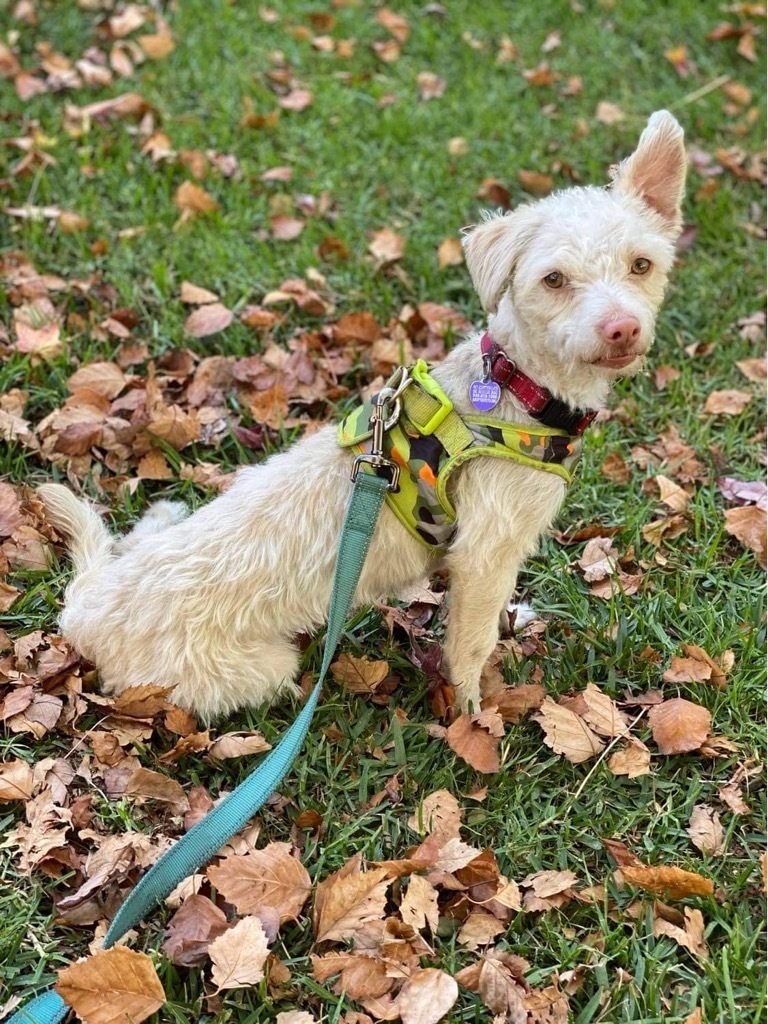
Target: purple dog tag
{"x": 484, "y": 396}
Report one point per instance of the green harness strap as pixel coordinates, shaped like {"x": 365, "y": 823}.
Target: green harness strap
{"x": 216, "y": 828}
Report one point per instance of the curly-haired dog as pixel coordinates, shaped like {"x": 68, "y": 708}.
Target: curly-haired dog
{"x": 210, "y": 604}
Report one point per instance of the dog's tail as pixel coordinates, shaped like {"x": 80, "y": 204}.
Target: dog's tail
{"x": 90, "y": 540}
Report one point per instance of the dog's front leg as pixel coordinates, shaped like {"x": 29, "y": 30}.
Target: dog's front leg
{"x": 479, "y": 591}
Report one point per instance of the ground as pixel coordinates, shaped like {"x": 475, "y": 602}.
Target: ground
{"x": 377, "y": 145}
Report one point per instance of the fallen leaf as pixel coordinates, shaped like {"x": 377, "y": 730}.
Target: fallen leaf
{"x": 297, "y": 100}
{"x": 538, "y": 184}
{"x": 602, "y": 714}
{"x": 192, "y": 929}
{"x": 749, "y": 526}
{"x": 671, "y": 883}
{"x": 239, "y": 955}
{"x": 395, "y": 24}
{"x": 479, "y": 929}
{"x": 194, "y": 295}
{"x": 387, "y": 246}
{"x": 360, "y": 675}
{"x": 112, "y": 986}
{"x": 270, "y": 877}
{"x": 285, "y": 228}
{"x": 430, "y": 85}
{"x": 744, "y": 492}
{"x": 679, "y": 725}
{"x": 706, "y": 830}
{"x": 193, "y": 200}
{"x": 566, "y": 732}
{"x": 609, "y": 113}
{"x": 427, "y": 996}
{"x": 105, "y": 379}
{"x": 438, "y": 814}
{"x": 238, "y": 744}
{"x": 16, "y": 781}
{"x": 754, "y": 369}
{"x": 157, "y": 45}
{"x": 450, "y": 253}
{"x": 632, "y": 760}
{"x": 349, "y": 902}
{"x": 145, "y": 784}
{"x": 475, "y": 738}
{"x": 691, "y": 936}
{"x": 419, "y": 905}
{"x": 733, "y": 798}
{"x": 728, "y": 403}
{"x": 671, "y": 494}
{"x": 208, "y": 319}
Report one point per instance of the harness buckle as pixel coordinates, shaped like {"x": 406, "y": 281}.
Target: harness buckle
{"x": 420, "y": 374}
{"x": 385, "y": 414}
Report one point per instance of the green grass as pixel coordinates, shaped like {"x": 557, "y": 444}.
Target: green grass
{"x": 390, "y": 166}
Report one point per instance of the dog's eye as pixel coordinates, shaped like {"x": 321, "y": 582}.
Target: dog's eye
{"x": 554, "y": 280}
{"x": 641, "y": 265}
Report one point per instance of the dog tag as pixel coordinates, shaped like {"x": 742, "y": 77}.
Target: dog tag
{"x": 484, "y": 395}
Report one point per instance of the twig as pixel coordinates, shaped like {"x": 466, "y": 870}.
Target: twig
{"x": 698, "y": 93}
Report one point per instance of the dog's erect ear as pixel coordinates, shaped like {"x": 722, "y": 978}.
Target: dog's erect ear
{"x": 656, "y": 170}
{"x": 491, "y": 249}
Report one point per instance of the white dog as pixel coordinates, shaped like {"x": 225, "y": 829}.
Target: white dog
{"x": 211, "y": 604}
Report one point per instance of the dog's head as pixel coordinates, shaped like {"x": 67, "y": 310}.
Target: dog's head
{"x": 574, "y": 281}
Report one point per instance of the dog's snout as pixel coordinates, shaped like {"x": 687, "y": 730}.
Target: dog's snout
{"x": 622, "y": 331}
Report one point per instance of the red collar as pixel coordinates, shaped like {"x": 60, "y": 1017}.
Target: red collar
{"x": 539, "y": 402}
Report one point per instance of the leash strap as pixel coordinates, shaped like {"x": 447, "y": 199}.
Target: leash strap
{"x": 206, "y": 837}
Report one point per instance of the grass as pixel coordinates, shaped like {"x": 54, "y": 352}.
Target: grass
{"x": 390, "y": 166}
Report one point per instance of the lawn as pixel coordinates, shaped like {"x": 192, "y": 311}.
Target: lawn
{"x": 414, "y": 134}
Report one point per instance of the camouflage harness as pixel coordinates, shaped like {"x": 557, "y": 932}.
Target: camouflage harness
{"x": 426, "y": 440}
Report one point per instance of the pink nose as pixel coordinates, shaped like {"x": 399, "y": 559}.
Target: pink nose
{"x": 622, "y": 331}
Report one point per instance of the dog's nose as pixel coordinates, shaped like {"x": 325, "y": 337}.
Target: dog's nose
{"x": 622, "y": 331}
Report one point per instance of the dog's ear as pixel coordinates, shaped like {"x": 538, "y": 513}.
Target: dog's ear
{"x": 491, "y": 249}
{"x": 656, "y": 170}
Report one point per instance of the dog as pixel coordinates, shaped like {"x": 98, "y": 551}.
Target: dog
{"x": 210, "y": 604}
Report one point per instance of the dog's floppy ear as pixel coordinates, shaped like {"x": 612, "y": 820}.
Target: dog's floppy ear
{"x": 491, "y": 249}
{"x": 656, "y": 170}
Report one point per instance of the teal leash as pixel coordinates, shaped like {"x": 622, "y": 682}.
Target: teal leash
{"x": 206, "y": 837}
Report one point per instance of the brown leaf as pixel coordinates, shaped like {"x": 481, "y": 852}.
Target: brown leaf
{"x": 450, "y": 253}
{"x": 514, "y": 701}
{"x": 360, "y": 975}
{"x": 239, "y": 955}
{"x": 749, "y": 526}
{"x": 105, "y": 379}
{"x": 567, "y": 733}
{"x": 679, "y": 725}
{"x": 498, "y": 978}
{"x": 609, "y": 113}
{"x": 356, "y": 327}
{"x": 706, "y": 830}
{"x": 192, "y": 200}
{"x": 350, "y": 902}
{"x": 430, "y": 85}
{"x": 691, "y": 937}
{"x": 238, "y": 744}
{"x": 387, "y": 246}
{"x": 427, "y": 996}
{"x": 601, "y": 714}
{"x": 148, "y": 785}
{"x": 16, "y": 781}
{"x": 419, "y": 905}
{"x": 46, "y": 831}
{"x": 671, "y": 883}
{"x": 208, "y": 319}
{"x": 475, "y": 738}
{"x": 480, "y": 929}
{"x": 733, "y": 798}
{"x": 194, "y": 295}
{"x": 632, "y": 760}
{"x": 395, "y": 24}
{"x": 112, "y": 986}
{"x": 360, "y": 675}
{"x": 671, "y": 494}
{"x": 538, "y": 184}
{"x": 754, "y": 369}
{"x": 158, "y": 45}
{"x": 192, "y": 929}
{"x": 615, "y": 468}
{"x": 728, "y": 403}
{"x": 439, "y": 814}
{"x": 270, "y": 877}
{"x": 285, "y": 228}
{"x": 297, "y": 99}
{"x": 143, "y": 701}
{"x": 173, "y": 424}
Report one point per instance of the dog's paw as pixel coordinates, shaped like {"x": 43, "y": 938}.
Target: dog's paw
{"x": 516, "y": 616}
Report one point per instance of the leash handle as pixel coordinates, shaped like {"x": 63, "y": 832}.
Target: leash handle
{"x": 219, "y": 825}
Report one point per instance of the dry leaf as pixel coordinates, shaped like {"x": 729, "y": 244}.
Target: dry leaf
{"x": 192, "y": 200}
{"x": 270, "y": 877}
{"x": 238, "y": 744}
{"x": 112, "y": 986}
{"x": 192, "y": 929}
{"x": 16, "y": 781}
{"x": 208, "y": 319}
{"x": 706, "y": 830}
{"x": 157, "y": 46}
{"x": 691, "y": 936}
{"x": 671, "y": 883}
{"x": 360, "y": 675}
{"x": 475, "y": 738}
{"x": 538, "y": 184}
{"x": 609, "y": 113}
{"x": 395, "y": 24}
{"x": 749, "y": 526}
{"x": 285, "y": 228}
{"x": 450, "y": 253}
{"x": 728, "y": 403}
{"x": 438, "y": 814}
{"x": 427, "y": 996}
{"x": 295, "y": 1017}
{"x": 733, "y": 798}
{"x": 679, "y": 725}
{"x": 480, "y": 929}
{"x": 350, "y": 902}
{"x": 671, "y": 494}
{"x": 514, "y": 701}
{"x": 419, "y": 905}
{"x": 387, "y": 246}
{"x": 297, "y": 99}
{"x": 194, "y": 295}
{"x": 567, "y": 733}
{"x": 239, "y": 955}
{"x": 601, "y": 713}
{"x": 754, "y": 369}
{"x": 632, "y": 760}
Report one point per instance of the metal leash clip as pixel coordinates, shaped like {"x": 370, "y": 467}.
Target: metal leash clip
{"x": 385, "y": 414}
